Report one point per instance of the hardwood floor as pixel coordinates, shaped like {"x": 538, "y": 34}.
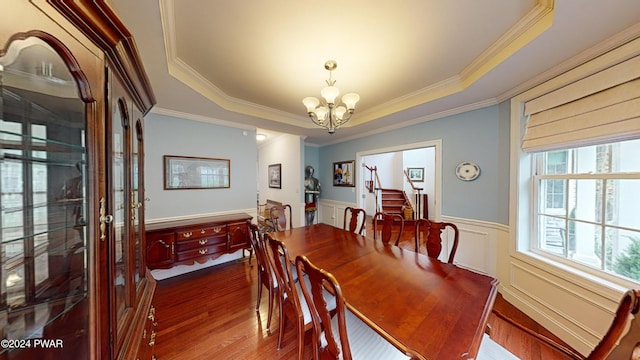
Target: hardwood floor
{"x": 210, "y": 314}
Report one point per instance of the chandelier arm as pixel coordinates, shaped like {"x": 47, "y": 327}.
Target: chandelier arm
{"x": 313, "y": 118}
{"x": 346, "y": 119}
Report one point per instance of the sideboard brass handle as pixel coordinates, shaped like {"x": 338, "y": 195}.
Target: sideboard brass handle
{"x": 203, "y": 251}
{"x": 187, "y": 234}
{"x": 203, "y": 241}
{"x": 217, "y": 229}
{"x": 152, "y": 338}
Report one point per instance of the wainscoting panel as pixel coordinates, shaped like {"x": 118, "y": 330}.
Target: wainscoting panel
{"x": 473, "y": 250}
{"x": 477, "y": 248}
{"x": 579, "y": 312}
{"x": 332, "y": 212}
{"x": 327, "y": 213}
{"x": 544, "y": 290}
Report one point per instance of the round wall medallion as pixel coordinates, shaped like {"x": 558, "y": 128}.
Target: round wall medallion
{"x": 467, "y": 171}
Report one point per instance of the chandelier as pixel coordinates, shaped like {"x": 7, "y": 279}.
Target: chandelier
{"x": 329, "y": 114}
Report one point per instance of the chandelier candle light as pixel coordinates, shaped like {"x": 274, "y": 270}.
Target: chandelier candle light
{"x": 327, "y": 114}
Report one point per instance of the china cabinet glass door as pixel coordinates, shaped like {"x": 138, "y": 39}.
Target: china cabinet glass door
{"x": 137, "y": 212}
{"x": 119, "y": 185}
{"x": 119, "y": 207}
{"x": 43, "y": 200}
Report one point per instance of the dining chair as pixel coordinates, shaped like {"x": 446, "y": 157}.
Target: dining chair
{"x": 279, "y": 215}
{"x": 357, "y": 218}
{"x": 266, "y": 276}
{"x": 621, "y": 341}
{"x": 263, "y": 218}
{"x": 432, "y": 237}
{"x": 343, "y": 335}
{"x": 292, "y": 304}
{"x": 390, "y": 223}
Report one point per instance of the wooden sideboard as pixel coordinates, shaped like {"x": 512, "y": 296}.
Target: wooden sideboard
{"x": 185, "y": 242}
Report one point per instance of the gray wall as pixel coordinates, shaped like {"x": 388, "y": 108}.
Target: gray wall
{"x": 166, "y": 135}
{"x": 481, "y": 136}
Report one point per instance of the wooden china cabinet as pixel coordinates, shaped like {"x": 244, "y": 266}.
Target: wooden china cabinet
{"x": 73, "y": 280}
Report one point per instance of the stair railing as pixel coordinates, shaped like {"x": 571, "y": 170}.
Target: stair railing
{"x": 373, "y": 185}
{"x": 418, "y": 196}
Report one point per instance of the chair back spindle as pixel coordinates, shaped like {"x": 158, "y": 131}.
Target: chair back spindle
{"x": 280, "y": 215}
{"x": 390, "y": 223}
{"x": 433, "y": 237}
{"x": 357, "y": 218}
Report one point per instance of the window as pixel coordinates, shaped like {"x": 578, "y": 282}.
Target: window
{"x": 588, "y": 205}
{"x": 556, "y": 163}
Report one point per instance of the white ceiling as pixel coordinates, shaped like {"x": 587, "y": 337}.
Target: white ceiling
{"x": 249, "y": 63}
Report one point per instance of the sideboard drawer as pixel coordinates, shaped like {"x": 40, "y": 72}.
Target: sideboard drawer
{"x": 160, "y": 249}
{"x": 201, "y": 231}
{"x": 201, "y": 252}
{"x": 185, "y": 245}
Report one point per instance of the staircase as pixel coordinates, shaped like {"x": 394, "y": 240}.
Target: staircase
{"x": 393, "y": 200}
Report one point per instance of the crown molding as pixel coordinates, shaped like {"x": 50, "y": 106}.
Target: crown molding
{"x": 205, "y": 119}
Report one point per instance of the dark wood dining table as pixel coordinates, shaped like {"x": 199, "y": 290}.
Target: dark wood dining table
{"x": 436, "y": 309}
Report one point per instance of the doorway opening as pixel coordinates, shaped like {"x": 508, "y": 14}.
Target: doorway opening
{"x": 391, "y": 163}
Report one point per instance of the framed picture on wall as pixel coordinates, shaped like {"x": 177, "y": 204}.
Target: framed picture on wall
{"x": 416, "y": 174}
{"x": 275, "y": 176}
{"x": 344, "y": 173}
{"x": 188, "y": 172}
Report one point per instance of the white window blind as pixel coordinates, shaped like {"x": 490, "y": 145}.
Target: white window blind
{"x": 602, "y": 107}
